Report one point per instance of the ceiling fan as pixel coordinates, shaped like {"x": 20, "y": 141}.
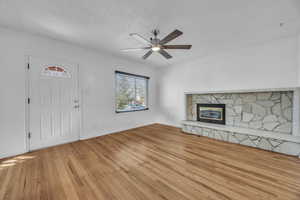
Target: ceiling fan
{"x": 157, "y": 45}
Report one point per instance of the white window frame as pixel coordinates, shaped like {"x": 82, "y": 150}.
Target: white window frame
{"x": 134, "y": 76}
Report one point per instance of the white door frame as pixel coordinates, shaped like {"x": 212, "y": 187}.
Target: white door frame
{"x": 27, "y": 97}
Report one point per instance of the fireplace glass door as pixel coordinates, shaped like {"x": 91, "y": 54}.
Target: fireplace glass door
{"x": 211, "y": 113}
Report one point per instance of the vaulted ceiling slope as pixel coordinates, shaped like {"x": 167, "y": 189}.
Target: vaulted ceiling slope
{"x": 210, "y": 25}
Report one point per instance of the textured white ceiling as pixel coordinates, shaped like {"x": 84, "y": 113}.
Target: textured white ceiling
{"x": 209, "y": 25}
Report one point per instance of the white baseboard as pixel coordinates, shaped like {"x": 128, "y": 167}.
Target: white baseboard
{"x": 170, "y": 124}
{"x": 85, "y": 137}
{"x": 11, "y": 154}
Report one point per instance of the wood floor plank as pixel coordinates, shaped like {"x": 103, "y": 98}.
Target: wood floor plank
{"x": 155, "y": 162}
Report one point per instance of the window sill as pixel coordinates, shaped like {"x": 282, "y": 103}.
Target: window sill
{"x": 132, "y": 110}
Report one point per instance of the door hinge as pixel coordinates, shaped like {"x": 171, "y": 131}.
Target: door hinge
{"x": 28, "y": 66}
{"x": 28, "y": 100}
{"x": 29, "y": 135}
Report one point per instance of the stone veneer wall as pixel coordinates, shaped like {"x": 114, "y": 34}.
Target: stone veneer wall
{"x": 269, "y": 111}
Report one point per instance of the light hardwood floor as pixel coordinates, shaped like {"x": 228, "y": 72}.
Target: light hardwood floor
{"x": 148, "y": 163}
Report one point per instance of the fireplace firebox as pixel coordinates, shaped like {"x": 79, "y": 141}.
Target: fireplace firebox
{"x": 211, "y": 113}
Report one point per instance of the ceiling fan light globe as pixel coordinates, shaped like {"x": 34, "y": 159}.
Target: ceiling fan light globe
{"x": 155, "y": 49}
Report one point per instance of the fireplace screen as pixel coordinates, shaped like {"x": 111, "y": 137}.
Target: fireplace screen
{"x": 211, "y": 113}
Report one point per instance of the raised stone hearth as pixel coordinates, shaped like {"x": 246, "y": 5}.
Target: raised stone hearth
{"x": 266, "y": 140}
{"x": 266, "y": 119}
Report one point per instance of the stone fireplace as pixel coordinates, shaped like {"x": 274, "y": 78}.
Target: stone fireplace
{"x": 269, "y": 111}
{"x": 211, "y": 113}
{"x": 267, "y": 119}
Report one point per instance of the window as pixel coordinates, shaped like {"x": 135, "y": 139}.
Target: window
{"x": 56, "y": 71}
{"x": 131, "y": 92}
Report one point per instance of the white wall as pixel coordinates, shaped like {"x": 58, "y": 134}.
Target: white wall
{"x": 268, "y": 65}
{"x": 97, "y": 82}
{"x": 298, "y": 50}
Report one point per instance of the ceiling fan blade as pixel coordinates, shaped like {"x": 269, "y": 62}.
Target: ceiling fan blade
{"x": 177, "y": 46}
{"x": 147, "y": 54}
{"x": 171, "y": 36}
{"x": 165, "y": 54}
{"x": 140, "y": 38}
{"x": 135, "y": 49}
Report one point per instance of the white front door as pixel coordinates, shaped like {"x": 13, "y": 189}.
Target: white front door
{"x": 54, "y": 112}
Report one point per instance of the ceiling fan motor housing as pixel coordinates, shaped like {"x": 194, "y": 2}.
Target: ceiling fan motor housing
{"x": 155, "y": 41}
